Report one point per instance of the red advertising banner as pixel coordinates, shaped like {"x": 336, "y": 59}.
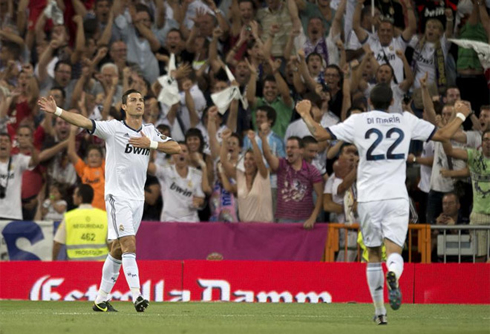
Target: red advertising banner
{"x": 160, "y": 280}
{"x": 452, "y": 283}
{"x": 289, "y": 282}
{"x": 245, "y": 281}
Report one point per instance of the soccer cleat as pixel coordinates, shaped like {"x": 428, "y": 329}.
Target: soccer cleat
{"x": 141, "y": 304}
{"x": 381, "y": 319}
{"x": 394, "y": 293}
{"x": 103, "y": 307}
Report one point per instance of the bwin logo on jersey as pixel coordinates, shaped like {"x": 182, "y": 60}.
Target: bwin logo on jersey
{"x": 136, "y": 150}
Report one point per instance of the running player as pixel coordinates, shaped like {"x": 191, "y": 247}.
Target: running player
{"x": 382, "y": 140}
{"x": 128, "y": 145}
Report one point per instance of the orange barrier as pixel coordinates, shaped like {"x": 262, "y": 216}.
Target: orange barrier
{"x": 423, "y": 245}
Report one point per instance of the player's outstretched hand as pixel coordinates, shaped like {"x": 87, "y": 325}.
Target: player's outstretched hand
{"x": 48, "y": 105}
{"x": 303, "y": 108}
{"x": 463, "y": 107}
{"x": 143, "y": 141}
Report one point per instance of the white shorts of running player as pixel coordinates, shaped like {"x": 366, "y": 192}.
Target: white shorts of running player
{"x": 384, "y": 219}
{"x": 123, "y": 216}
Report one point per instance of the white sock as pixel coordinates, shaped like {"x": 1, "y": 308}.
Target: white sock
{"x": 110, "y": 273}
{"x": 375, "y": 278}
{"x": 395, "y": 264}
{"x": 132, "y": 274}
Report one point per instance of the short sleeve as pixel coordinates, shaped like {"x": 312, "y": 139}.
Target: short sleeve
{"x": 345, "y": 130}
{"x": 103, "y": 129}
{"x": 420, "y": 129}
{"x": 328, "y": 186}
{"x": 79, "y": 167}
{"x": 315, "y": 176}
{"x": 157, "y": 135}
{"x": 160, "y": 172}
{"x": 471, "y": 156}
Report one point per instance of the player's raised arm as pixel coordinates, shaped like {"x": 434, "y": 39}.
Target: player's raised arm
{"x": 303, "y": 109}
{"x": 49, "y": 106}
{"x": 462, "y": 109}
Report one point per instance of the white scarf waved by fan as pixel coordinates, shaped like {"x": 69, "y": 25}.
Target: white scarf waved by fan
{"x": 223, "y": 99}
{"x": 169, "y": 94}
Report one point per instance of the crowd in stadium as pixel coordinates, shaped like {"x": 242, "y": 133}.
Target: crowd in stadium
{"x": 223, "y": 79}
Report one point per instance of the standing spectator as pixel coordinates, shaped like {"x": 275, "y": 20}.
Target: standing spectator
{"x": 277, "y": 13}
{"x": 254, "y": 195}
{"x": 471, "y": 79}
{"x": 431, "y": 52}
{"x": 92, "y": 172}
{"x": 54, "y": 207}
{"x": 384, "y": 44}
{"x": 82, "y": 230}
{"x": 276, "y": 94}
{"x": 32, "y": 180}
{"x": 296, "y": 181}
{"x": 11, "y": 169}
{"x": 184, "y": 187}
{"x": 479, "y": 164}
{"x": 142, "y": 42}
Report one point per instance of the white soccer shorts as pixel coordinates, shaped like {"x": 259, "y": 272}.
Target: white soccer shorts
{"x": 384, "y": 219}
{"x": 123, "y": 216}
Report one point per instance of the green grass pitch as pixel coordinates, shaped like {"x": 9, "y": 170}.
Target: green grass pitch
{"x": 18, "y": 317}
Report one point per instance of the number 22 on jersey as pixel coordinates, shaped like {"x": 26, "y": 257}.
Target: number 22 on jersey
{"x": 393, "y": 132}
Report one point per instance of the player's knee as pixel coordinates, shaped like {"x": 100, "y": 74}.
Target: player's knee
{"x": 128, "y": 244}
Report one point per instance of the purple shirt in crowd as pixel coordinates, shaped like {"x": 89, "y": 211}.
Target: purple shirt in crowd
{"x": 295, "y": 190}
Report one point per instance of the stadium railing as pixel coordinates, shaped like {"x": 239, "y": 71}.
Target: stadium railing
{"x": 423, "y": 246}
{"x": 419, "y": 242}
{"x": 460, "y": 245}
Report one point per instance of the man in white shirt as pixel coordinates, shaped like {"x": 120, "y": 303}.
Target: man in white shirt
{"x": 11, "y": 169}
{"x": 128, "y": 145}
{"x": 383, "y": 43}
{"x": 183, "y": 191}
{"x": 383, "y": 140}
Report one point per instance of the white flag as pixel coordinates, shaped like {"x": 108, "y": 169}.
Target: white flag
{"x": 169, "y": 94}
{"x": 481, "y": 49}
{"x": 223, "y": 99}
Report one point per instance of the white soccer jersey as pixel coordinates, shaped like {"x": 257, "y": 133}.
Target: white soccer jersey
{"x": 125, "y": 165}
{"x": 11, "y": 205}
{"x": 382, "y": 140}
{"x": 386, "y": 54}
{"x": 424, "y": 59}
{"x": 178, "y": 193}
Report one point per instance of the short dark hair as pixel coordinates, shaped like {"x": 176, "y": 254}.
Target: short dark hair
{"x": 309, "y": 140}
{"x": 269, "y": 78}
{"x": 271, "y": 113}
{"x": 298, "y": 139}
{"x": 5, "y": 134}
{"x": 61, "y": 62}
{"x": 315, "y": 99}
{"x": 61, "y": 89}
{"x": 237, "y": 136}
{"x": 162, "y": 127}
{"x": 86, "y": 192}
{"x": 97, "y": 148}
{"x": 25, "y": 126}
{"x": 381, "y": 97}
{"x": 312, "y": 55}
{"x": 126, "y": 94}
{"x": 143, "y": 8}
{"x": 177, "y": 31}
{"x": 194, "y": 132}
{"x": 451, "y": 193}
{"x": 485, "y": 107}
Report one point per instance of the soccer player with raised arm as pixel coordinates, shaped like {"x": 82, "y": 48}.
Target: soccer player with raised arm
{"x": 128, "y": 145}
{"x": 382, "y": 140}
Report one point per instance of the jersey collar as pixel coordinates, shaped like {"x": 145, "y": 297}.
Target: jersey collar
{"x": 124, "y": 122}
